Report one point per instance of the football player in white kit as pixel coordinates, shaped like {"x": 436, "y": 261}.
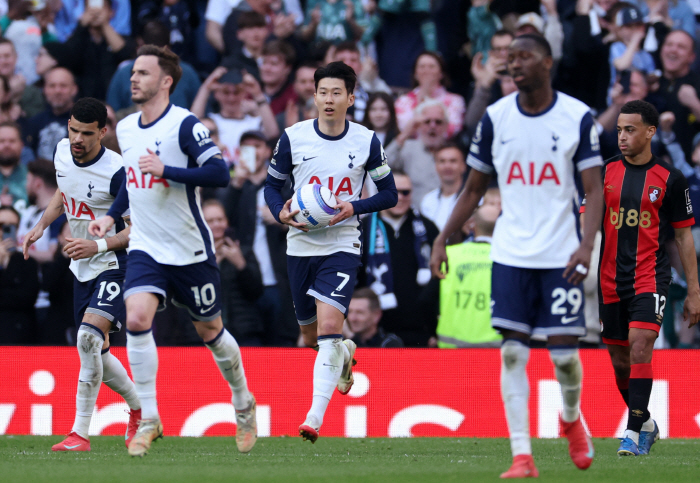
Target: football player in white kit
{"x": 89, "y": 177}
{"x": 167, "y": 154}
{"x": 535, "y": 140}
{"x": 323, "y": 264}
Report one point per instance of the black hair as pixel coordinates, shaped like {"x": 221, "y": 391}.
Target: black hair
{"x": 541, "y": 42}
{"x": 247, "y": 20}
{"x": 88, "y": 110}
{"x": 347, "y": 46}
{"x": 45, "y": 170}
{"x": 650, "y": 116}
{"x": 13, "y": 210}
{"x": 155, "y": 32}
{"x": 337, "y": 70}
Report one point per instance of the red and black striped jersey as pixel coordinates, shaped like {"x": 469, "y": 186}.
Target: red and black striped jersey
{"x": 640, "y": 204}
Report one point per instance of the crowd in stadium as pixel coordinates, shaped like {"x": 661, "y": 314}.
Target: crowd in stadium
{"x": 427, "y": 71}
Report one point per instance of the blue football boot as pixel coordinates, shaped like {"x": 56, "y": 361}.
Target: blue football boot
{"x": 647, "y": 438}
{"x": 627, "y": 447}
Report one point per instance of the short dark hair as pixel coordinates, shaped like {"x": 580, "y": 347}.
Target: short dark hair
{"x": 12, "y": 209}
{"x": 650, "y": 116}
{"x": 540, "y": 42}
{"x": 45, "y": 170}
{"x": 347, "y": 46}
{"x": 248, "y": 20}
{"x": 503, "y": 33}
{"x": 13, "y": 125}
{"x": 5, "y": 40}
{"x": 445, "y": 81}
{"x": 451, "y": 145}
{"x": 89, "y": 110}
{"x": 168, "y": 61}
{"x": 337, "y": 70}
{"x": 368, "y": 293}
{"x": 282, "y": 49}
{"x": 155, "y": 32}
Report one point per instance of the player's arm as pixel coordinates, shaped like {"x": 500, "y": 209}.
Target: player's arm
{"x": 588, "y": 162}
{"x": 120, "y": 205}
{"x": 477, "y": 183}
{"x": 385, "y": 198}
{"x": 79, "y": 248}
{"x": 51, "y": 213}
{"x": 277, "y": 175}
{"x": 686, "y": 250}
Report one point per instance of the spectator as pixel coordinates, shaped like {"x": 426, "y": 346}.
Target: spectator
{"x": 119, "y": 90}
{"x": 551, "y": 29}
{"x": 8, "y": 69}
{"x": 72, "y": 10}
{"x": 13, "y": 174}
{"x": 364, "y": 316}
{"x": 304, "y": 88}
{"x": 9, "y": 109}
{"x": 97, "y": 50}
{"x": 397, "y": 245}
{"x": 252, "y": 32}
{"x": 676, "y": 14}
{"x": 43, "y": 131}
{"x": 679, "y": 86}
{"x": 256, "y": 227}
{"x": 58, "y": 280}
{"x": 465, "y": 292}
{"x": 627, "y": 52}
{"x": 333, "y": 21}
{"x": 491, "y": 79}
{"x": 110, "y": 140}
{"x": 242, "y": 106}
{"x": 380, "y": 117}
{"x": 450, "y": 166}
{"x": 416, "y": 156}
{"x": 281, "y": 24}
{"x": 19, "y": 285}
{"x": 180, "y": 21}
{"x": 430, "y": 82}
{"x": 51, "y": 54}
{"x": 240, "y": 279}
{"x": 278, "y": 59}
{"x": 694, "y": 179}
{"x": 28, "y": 30}
{"x": 482, "y": 24}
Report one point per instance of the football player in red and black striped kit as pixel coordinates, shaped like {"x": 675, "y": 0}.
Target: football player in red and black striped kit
{"x": 643, "y": 196}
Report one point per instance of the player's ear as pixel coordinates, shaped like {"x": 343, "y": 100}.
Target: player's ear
{"x": 351, "y": 99}
{"x": 103, "y": 132}
{"x": 651, "y": 131}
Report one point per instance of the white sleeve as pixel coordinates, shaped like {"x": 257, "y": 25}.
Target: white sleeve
{"x": 219, "y": 10}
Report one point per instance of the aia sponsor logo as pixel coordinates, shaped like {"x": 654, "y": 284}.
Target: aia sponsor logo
{"x": 144, "y": 181}
{"x": 529, "y": 174}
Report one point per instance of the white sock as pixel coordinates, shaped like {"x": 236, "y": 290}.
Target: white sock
{"x": 143, "y": 358}
{"x": 346, "y": 354}
{"x": 227, "y": 355}
{"x": 567, "y": 367}
{"x": 633, "y": 435}
{"x": 648, "y": 425}
{"x": 116, "y": 378}
{"x": 329, "y": 364}
{"x": 515, "y": 391}
{"x": 90, "y": 340}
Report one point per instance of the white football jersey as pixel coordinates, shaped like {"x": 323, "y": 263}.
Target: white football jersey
{"x": 535, "y": 158}
{"x": 88, "y": 190}
{"x": 166, "y": 216}
{"x": 340, "y": 164}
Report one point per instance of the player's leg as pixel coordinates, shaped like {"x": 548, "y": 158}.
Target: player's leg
{"x": 512, "y": 296}
{"x": 614, "y": 333}
{"x": 620, "y": 359}
{"x": 90, "y": 339}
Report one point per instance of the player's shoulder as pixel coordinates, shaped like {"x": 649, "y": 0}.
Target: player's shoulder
{"x": 300, "y": 129}
{"x": 61, "y": 152}
{"x": 674, "y": 173}
{"x": 572, "y": 105}
{"x": 503, "y": 105}
{"x": 129, "y": 122}
{"x": 610, "y": 161}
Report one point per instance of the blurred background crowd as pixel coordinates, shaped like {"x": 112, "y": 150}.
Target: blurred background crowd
{"x": 427, "y": 71}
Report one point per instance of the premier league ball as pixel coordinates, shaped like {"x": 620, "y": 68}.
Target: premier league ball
{"x": 314, "y": 203}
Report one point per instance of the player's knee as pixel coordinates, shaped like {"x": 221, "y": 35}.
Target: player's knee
{"x": 89, "y": 346}
{"x": 137, "y": 320}
{"x": 310, "y": 340}
{"x": 565, "y": 359}
{"x": 514, "y": 353}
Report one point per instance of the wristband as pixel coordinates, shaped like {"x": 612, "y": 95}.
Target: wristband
{"x": 101, "y": 245}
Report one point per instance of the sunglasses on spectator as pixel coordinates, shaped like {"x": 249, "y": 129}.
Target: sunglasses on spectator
{"x": 404, "y": 192}
{"x": 437, "y": 122}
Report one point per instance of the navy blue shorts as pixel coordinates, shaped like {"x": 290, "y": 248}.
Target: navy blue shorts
{"x": 330, "y": 279}
{"x": 103, "y": 295}
{"x": 195, "y": 287}
{"x": 536, "y": 301}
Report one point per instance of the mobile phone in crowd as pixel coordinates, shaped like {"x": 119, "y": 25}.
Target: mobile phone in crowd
{"x": 9, "y": 232}
{"x": 248, "y": 157}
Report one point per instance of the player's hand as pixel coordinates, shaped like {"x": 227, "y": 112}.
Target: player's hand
{"x": 79, "y": 248}
{"x": 288, "y": 218}
{"x": 151, "y": 164}
{"x": 346, "y": 211}
{"x": 100, "y": 226}
{"x": 31, "y": 237}
{"x": 437, "y": 257}
{"x": 579, "y": 263}
{"x": 691, "y": 309}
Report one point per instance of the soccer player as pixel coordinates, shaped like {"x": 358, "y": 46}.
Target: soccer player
{"x": 167, "y": 154}
{"x": 89, "y": 177}
{"x": 643, "y": 196}
{"x": 535, "y": 140}
{"x": 322, "y": 264}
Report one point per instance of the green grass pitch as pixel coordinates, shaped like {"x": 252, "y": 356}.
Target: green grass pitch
{"x": 441, "y": 460}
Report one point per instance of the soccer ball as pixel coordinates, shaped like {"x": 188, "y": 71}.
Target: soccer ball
{"x": 314, "y": 203}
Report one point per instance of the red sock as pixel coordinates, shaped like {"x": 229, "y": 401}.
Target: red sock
{"x": 641, "y": 379}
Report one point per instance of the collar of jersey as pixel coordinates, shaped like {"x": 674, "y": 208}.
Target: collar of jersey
{"x": 642, "y": 167}
{"x": 331, "y": 138}
{"x": 549, "y": 108}
{"x": 92, "y": 161}
{"x": 146, "y": 126}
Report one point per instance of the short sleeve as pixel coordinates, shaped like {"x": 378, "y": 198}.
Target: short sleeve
{"x": 588, "y": 153}
{"x": 377, "y": 165}
{"x": 281, "y": 162}
{"x": 480, "y": 151}
{"x": 217, "y": 11}
{"x": 117, "y": 179}
{"x": 195, "y": 141}
{"x": 680, "y": 208}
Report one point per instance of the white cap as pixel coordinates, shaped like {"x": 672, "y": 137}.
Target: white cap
{"x": 531, "y": 18}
